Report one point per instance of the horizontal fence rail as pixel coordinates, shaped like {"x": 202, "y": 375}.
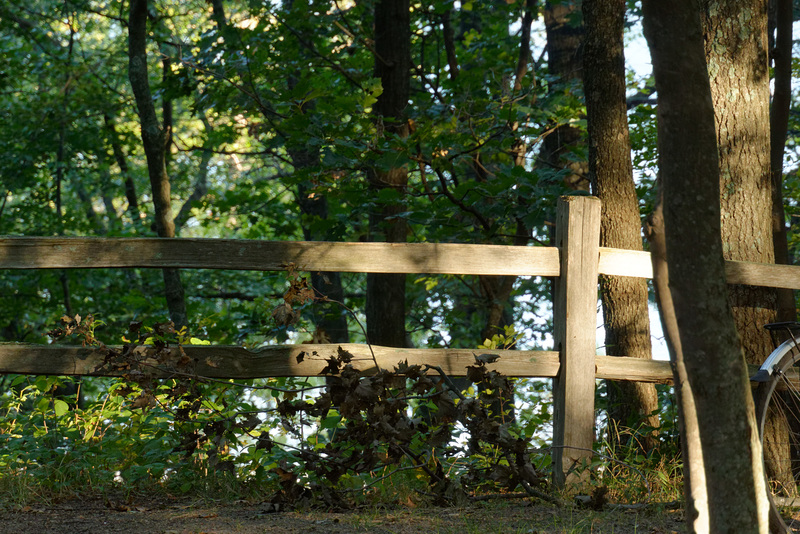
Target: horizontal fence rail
{"x": 430, "y": 258}
{"x": 427, "y": 258}
{"x": 220, "y": 361}
{"x": 619, "y": 262}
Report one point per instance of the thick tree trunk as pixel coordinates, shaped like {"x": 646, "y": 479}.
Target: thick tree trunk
{"x": 154, "y": 140}
{"x": 386, "y": 293}
{"x": 716, "y": 374}
{"x": 738, "y": 69}
{"x": 736, "y": 53}
{"x": 625, "y": 312}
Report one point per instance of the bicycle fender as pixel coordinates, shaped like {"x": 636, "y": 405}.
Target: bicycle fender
{"x": 768, "y": 367}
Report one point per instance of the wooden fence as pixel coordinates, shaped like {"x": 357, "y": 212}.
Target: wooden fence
{"x": 575, "y": 262}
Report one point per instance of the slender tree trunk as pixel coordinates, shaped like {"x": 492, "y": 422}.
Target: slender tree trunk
{"x": 779, "y": 121}
{"x": 497, "y": 290}
{"x": 331, "y": 321}
{"x": 199, "y": 191}
{"x": 155, "y": 141}
{"x": 70, "y": 386}
{"x": 122, "y": 163}
{"x": 330, "y": 318}
{"x": 88, "y": 206}
{"x": 565, "y": 29}
{"x": 694, "y": 476}
{"x": 716, "y": 374}
{"x": 625, "y": 312}
{"x": 386, "y": 293}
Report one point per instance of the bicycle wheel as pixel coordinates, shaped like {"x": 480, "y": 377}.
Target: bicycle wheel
{"x": 778, "y": 415}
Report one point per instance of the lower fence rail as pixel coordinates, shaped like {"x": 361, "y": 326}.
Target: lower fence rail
{"x": 222, "y": 362}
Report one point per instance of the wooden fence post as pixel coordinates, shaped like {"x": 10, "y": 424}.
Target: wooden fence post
{"x": 575, "y": 317}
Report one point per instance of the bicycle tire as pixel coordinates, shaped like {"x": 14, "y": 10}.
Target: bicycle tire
{"x": 777, "y": 401}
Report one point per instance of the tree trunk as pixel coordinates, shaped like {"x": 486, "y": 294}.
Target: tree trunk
{"x": 716, "y": 374}
{"x": 740, "y": 94}
{"x": 564, "y": 29}
{"x": 122, "y": 163}
{"x": 155, "y": 142}
{"x": 330, "y": 319}
{"x": 779, "y": 121}
{"x": 738, "y": 69}
{"x": 694, "y": 477}
{"x": 624, "y": 299}
{"x": 386, "y": 293}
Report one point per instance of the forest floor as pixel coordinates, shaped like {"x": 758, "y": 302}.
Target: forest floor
{"x": 144, "y": 516}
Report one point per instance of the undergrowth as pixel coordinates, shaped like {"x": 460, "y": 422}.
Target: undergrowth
{"x": 402, "y": 436}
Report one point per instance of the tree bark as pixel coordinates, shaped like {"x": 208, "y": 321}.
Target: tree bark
{"x": 386, "y": 293}
{"x": 779, "y": 121}
{"x": 330, "y": 318}
{"x": 330, "y": 321}
{"x": 155, "y": 141}
{"x": 738, "y": 67}
{"x": 716, "y": 375}
{"x": 565, "y": 30}
{"x": 198, "y": 192}
{"x": 625, "y": 312}
{"x": 694, "y": 477}
{"x": 736, "y": 53}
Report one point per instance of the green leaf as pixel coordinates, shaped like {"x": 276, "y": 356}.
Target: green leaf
{"x": 18, "y": 380}
{"x": 60, "y": 407}
{"x": 43, "y": 404}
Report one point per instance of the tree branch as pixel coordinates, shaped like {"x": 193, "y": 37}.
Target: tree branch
{"x": 484, "y": 222}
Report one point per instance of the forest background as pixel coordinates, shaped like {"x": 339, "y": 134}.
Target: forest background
{"x": 457, "y": 122}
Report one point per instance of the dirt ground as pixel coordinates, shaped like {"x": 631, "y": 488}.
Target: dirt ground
{"x": 182, "y": 517}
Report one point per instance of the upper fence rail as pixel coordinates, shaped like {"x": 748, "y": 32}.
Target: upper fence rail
{"x": 427, "y": 258}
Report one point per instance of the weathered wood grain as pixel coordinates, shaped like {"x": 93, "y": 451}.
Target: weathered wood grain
{"x": 636, "y": 263}
{"x": 634, "y": 369}
{"x": 272, "y": 361}
{"x": 281, "y": 360}
{"x": 429, "y": 258}
{"x": 432, "y": 258}
{"x": 574, "y": 314}
{"x": 762, "y": 274}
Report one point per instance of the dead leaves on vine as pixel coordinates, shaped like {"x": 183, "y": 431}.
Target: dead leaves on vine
{"x": 147, "y": 354}
{"x": 380, "y": 429}
{"x": 299, "y": 293}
